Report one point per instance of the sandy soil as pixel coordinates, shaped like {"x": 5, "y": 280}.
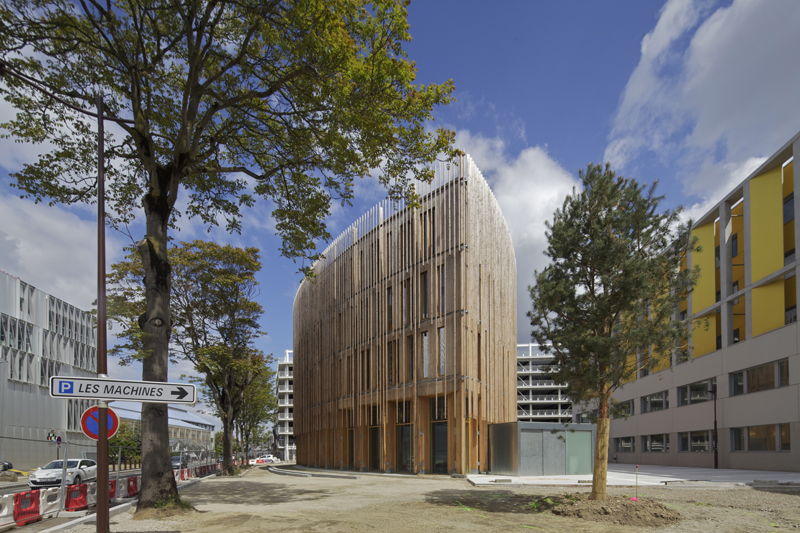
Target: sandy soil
{"x": 262, "y": 501}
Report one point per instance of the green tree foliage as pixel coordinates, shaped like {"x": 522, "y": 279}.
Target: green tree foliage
{"x": 606, "y": 304}
{"x": 214, "y": 321}
{"x": 127, "y": 441}
{"x": 221, "y": 100}
{"x": 259, "y": 408}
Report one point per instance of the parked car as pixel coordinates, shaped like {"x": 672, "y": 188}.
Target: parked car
{"x": 5, "y": 465}
{"x": 264, "y": 459}
{"x": 180, "y": 461}
{"x": 78, "y": 471}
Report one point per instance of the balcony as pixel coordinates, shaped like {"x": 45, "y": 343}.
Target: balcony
{"x": 285, "y": 388}
{"x": 284, "y": 430}
{"x": 538, "y": 383}
{"x": 285, "y": 402}
{"x": 284, "y": 416}
{"x": 541, "y": 413}
{"x": 532, "y": 369}
{"x": 541, "y": 398}
{"x": 285, "y": 374}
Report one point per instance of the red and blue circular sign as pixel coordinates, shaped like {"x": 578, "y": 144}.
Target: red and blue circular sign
{"x": 91, "y": 426}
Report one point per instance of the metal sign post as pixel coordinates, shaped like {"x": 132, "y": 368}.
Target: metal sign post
{"x": 102, "y": 366}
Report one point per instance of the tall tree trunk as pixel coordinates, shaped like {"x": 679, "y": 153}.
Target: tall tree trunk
{"x": 600, "y": 473}
{"x": 227, "y": 446}
{"x": 158, "y": 483}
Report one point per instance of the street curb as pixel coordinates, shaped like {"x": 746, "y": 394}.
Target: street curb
{"x": 113, "y": 511}
{"x": 276, "y": 470}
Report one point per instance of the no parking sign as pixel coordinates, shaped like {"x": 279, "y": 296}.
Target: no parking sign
{"x": 91, "y": 426}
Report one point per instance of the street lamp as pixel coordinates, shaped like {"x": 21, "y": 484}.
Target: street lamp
{"x": 713, "y": 390}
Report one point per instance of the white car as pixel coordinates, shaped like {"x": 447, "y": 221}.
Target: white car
{"x": 78, "y": 471}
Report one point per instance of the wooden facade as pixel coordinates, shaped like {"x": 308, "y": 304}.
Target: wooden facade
{"x": 405, "y": 342}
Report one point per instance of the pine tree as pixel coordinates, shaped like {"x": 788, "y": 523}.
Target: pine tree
{"x": 606, "y": 304}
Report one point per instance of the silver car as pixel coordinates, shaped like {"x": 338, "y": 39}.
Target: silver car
{"x": 78, "y": 471}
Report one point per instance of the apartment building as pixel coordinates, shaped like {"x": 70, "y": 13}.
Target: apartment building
{"x": 284, "y": 429}
{"x": 41, "y": 336}
{"x": 539, "y": 397}
{"x": 406, "y": 338}
{"x": 743, "y": 371}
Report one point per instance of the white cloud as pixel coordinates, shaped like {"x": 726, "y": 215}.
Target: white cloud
{"x": 715, "y": 89}
{"x": 53, "y": 249}
{"x": 529, "y": 187}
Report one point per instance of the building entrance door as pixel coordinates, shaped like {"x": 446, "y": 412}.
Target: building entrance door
{"x": 439, "y": 447}
{"x": 374, "y": 448}
{"x": 350, "y": 461}
{"x": 405, "y": 448}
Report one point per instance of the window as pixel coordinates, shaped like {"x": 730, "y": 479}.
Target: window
{"x": 624, "y": 444}
{"x": 788, "y": 208}
{"x": 696, "y": 392}
{"x": 695, "y": 441}
{"x": 406, "y": 306}
{"x": 424, "y": 295}
{"x": 655, "y": 443}
{"x": 736, "y": 337}
{"x": 737, "y": 383}
{"x": 737, "y": 440}
{"x": 783, "y": 373}
{"x": 425, "y": 354}
{"x": 442, "y": 351}
{"x": 410, "y": 341}
{"x": 655, "y": 402}
{"x": 761, "y": 378}
{"x": 735, "y": 245}
{"x": 716, "y": 257}
{"x": 624, "y": 409}
{"x": 786, "y": 440}
{"x": 441, "y": 289}
{"x": 390, "y": 360}
{"x": 761, "y": 438}
{"x": 389, "y": 307}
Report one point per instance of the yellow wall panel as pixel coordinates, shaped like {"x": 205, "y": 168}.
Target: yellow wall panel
{"x": 704, "y": 335}
{"x": 704, "y": 293}
{"x": 766, "y": 223}
{"x": 663, "y": 360}
{"x": 768, "y": 307}
{"x": 630, "y": 364}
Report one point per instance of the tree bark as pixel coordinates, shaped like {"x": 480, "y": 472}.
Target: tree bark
{"x": 158, "y": 483}
{"x": 600, "y": 473}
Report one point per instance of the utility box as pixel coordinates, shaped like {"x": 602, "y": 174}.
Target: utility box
{"x": 541, "y": 449}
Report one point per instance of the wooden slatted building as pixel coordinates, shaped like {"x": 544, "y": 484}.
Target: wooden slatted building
{"x": 405, "y": 342}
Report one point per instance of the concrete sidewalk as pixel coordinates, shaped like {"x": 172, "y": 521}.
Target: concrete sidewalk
{"x": 625, "y": 475}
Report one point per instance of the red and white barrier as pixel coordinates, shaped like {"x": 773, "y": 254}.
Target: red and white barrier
{"x": 26, "y": 507}
{"x": 49, "y": 500}
{"x": 133, "y": 486}
{"x": 91, "y": 494}
{"x": 77, "y": 499}
{"x": 6, "y": 509}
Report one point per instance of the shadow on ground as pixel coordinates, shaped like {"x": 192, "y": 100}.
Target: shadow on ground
{"x": 243, "y": 492}
{"x": 500, "y": 501}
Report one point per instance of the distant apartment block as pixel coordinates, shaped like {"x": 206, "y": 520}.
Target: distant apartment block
{"x": 284, "y": 429}
{"x": 539, "y": 397}
{"x": 40, "y": 336}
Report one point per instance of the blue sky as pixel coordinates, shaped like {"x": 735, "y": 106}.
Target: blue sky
{"x": 692, "y": 94}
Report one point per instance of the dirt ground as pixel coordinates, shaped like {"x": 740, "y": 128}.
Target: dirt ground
{"x": 264, "y": 501}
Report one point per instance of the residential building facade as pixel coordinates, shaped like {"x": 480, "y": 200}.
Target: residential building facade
{"x": 406, "y": 337}
{"x": 41, "y": 336}
{"x": 744, "y": 364}
{"x": 539, "y": 397}
{"x": 284, "y": 429}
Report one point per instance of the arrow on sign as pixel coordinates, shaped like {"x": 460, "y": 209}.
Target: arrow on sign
{"x": 181, "y": 393}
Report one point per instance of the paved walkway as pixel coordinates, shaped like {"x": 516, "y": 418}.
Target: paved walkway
{"x": 649, "y": 475}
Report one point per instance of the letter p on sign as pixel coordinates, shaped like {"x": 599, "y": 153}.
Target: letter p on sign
{"x": 65, "y": 387}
